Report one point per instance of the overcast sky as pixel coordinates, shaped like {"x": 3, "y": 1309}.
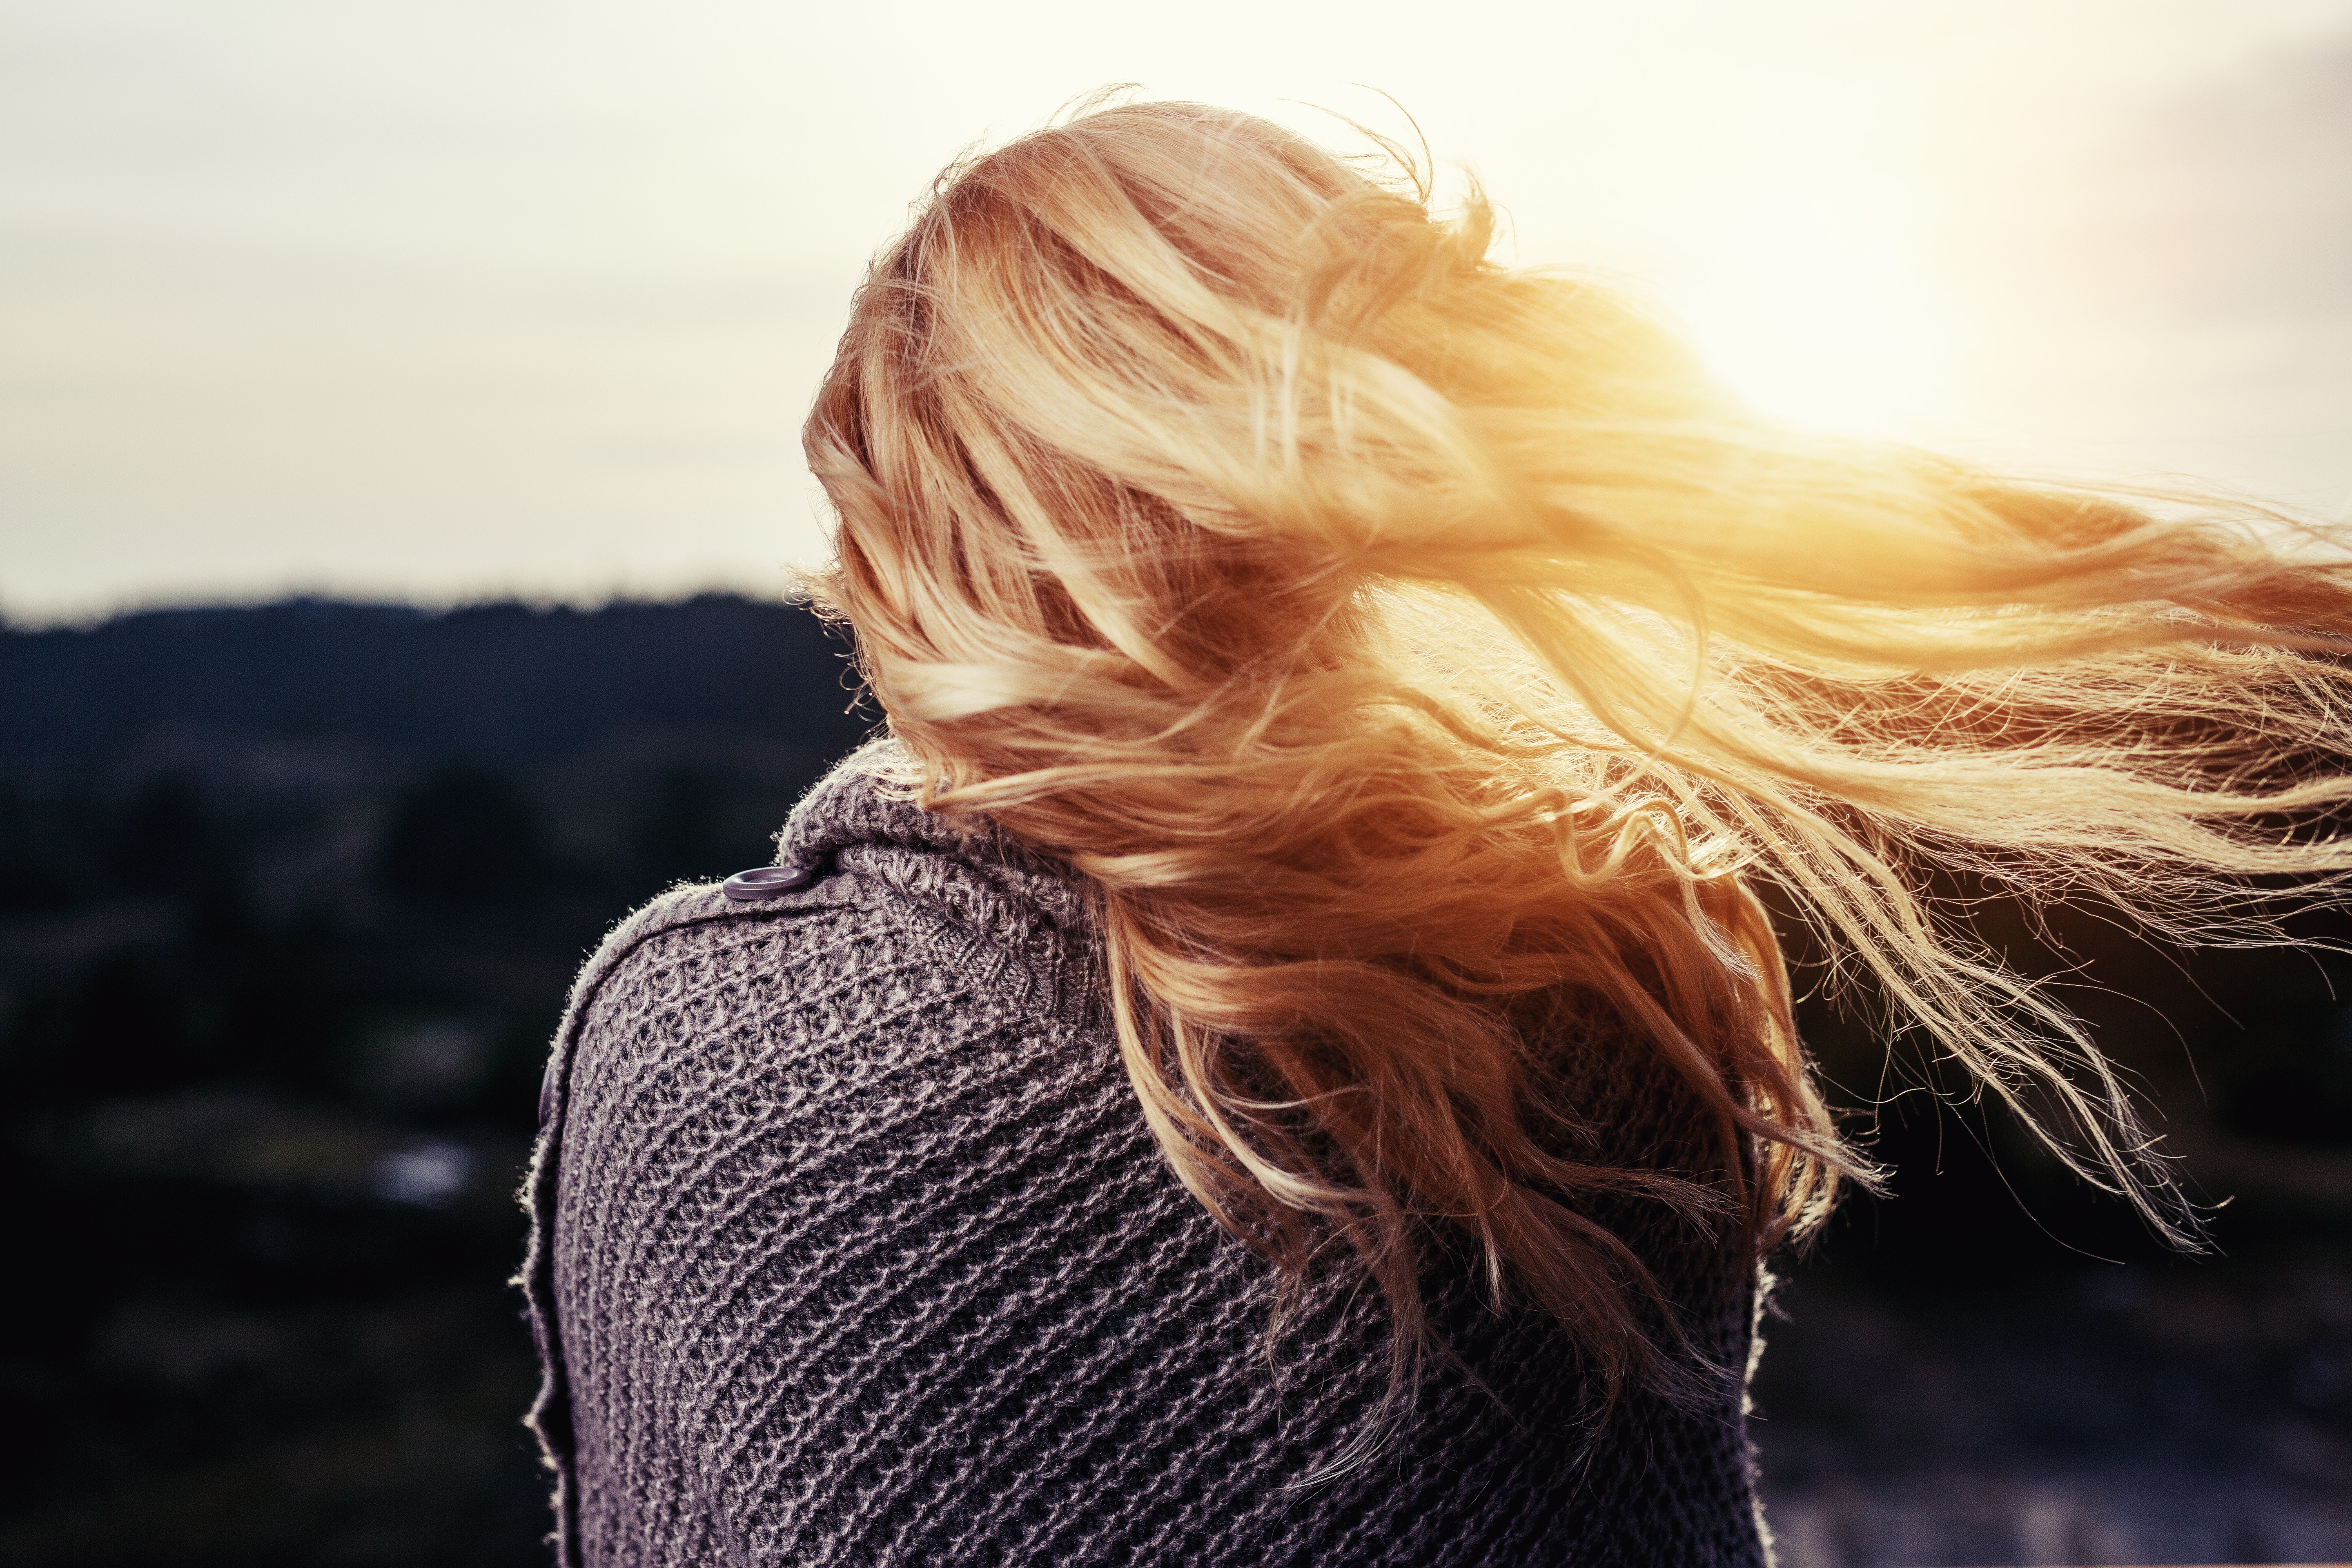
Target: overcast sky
{"x": 460, "y": 297}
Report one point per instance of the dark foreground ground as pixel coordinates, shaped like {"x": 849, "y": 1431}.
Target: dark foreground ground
{"x": 288, "y": 901}
{"x": 2127, "y": 1419}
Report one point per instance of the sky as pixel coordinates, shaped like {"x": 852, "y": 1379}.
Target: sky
{"x": 461, "y": 299}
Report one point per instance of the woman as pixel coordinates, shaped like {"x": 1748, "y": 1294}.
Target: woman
{"x": 1282, "y": 1055}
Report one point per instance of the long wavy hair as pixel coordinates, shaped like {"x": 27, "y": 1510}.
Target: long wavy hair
{"x": 1391, "y": 637}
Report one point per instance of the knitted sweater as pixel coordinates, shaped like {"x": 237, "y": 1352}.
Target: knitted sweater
{"x": 849, "y": 1246}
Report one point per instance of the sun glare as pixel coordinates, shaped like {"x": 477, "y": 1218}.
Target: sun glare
{"x": 1813, "y": 312}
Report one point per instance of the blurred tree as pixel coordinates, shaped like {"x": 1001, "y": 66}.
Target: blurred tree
{"x": 164, "y": 839}
{"x": 286, "y": 1019}
{"x": 218, "y": 920}
{"x": 677, "y": 833}
{"x": 464, "y": 837}
{"x": 34, "y": 1060}
{"x": 125, "y": 1030}
{"x": 40, "y": 866}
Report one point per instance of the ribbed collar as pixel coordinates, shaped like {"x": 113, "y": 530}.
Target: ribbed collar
{"x": 856, "y": 817}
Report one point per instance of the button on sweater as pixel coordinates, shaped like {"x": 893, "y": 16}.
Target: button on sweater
{"x": 849, "y": 1246}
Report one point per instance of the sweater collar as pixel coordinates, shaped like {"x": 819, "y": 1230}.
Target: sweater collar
{"x": 864, "y": 809}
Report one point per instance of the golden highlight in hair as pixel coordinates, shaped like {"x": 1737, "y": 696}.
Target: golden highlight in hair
{"x": 1392, "y": 638}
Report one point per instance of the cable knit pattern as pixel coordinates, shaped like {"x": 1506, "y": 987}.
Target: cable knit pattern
{"x": 850, "y": 1246}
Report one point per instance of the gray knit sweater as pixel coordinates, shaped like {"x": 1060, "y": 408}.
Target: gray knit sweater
{"x": 849, "y": 1246}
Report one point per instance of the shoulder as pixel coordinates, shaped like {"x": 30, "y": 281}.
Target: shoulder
{"x": 873, "y": 899}
{"x": 679, "y": 915}
{"x": 866, "y": 970}
{"x": 730, "y": 1071}
{"x": 701, "y": 920}
{"x": 640, "y": 955}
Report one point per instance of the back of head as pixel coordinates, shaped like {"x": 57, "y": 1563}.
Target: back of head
{"x": 1388, "y": 635}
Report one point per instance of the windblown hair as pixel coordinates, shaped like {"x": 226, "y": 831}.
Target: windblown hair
{"x": 1392, "y": 637}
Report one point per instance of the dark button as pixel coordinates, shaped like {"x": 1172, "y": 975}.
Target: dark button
{"x": 765, "y": 882}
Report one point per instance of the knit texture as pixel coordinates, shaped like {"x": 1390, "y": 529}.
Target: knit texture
{"x": 849, "y": 1246}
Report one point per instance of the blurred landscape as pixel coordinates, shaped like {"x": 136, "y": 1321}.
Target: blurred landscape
{"x": 289, "y": 901}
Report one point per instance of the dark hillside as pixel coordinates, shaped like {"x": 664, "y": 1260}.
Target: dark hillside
{"x": 289, "y": 901}
{"x": 496, "y": 683}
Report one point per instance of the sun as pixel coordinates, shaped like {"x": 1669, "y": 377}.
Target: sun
{"x": 1815, "y": 311}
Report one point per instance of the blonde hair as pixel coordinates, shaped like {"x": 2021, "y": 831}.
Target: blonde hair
{"x": 1391, "y": 638}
